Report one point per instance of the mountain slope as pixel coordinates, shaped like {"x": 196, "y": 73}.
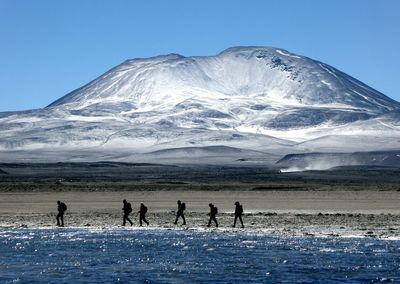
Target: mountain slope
{"x": 268, "y": 74}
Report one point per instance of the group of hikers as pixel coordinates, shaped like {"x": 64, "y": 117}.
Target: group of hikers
{"x": 127, "y": 209}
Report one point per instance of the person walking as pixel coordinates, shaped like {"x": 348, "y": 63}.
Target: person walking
{"x": 238, "y": 213}
{"x": 212, "y": 214}
{"x": 179, "y": 213}
{"x": 61, "y": 208}
{"x": 127, "y": 208}
{"x": 142, "y": 214}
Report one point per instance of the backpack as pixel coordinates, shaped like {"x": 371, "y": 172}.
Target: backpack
{"x": 215, "y": 210}
{"x": 129, "y": 208}
{"x": 63, "y": 206}
{"x": 240, "y": 209}
{"x": 183, "y": 206}
{"x": 144, "y": 209}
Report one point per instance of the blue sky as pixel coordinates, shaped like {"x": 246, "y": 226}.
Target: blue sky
{"x": 49, "y": 48}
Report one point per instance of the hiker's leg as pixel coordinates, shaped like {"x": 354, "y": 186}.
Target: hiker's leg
{"x": 129, "y": 220}
{"x": 215, "y": 220}
{"x": 241, "y": 221}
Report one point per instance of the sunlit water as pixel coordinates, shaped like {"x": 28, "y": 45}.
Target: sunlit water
{"x": 76, "y": 255}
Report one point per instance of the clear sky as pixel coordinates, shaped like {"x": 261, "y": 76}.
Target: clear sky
{"x": 49, "y": 48}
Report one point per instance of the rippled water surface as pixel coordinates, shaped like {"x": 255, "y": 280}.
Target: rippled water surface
{"x": 163, "y": 256}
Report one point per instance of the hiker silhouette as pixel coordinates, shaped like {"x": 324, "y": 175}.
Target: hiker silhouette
{"x": 212, "y": 214}
{"x": 238, "y": 213}
{"x": 127, "y": 210}
{"x": 179, "y": 213}
{"x": 61, "y": 208}
{"x": 142, "y": 214}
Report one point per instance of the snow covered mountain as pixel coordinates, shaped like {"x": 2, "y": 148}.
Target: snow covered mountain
{"x": 265, "y": 102}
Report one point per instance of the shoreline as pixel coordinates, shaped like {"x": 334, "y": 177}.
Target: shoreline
{"x": 178, "y": 228}
{"x": 384, "y": 228}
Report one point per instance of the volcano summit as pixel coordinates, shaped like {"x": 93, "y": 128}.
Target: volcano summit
{"x": 245, "y": 105}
